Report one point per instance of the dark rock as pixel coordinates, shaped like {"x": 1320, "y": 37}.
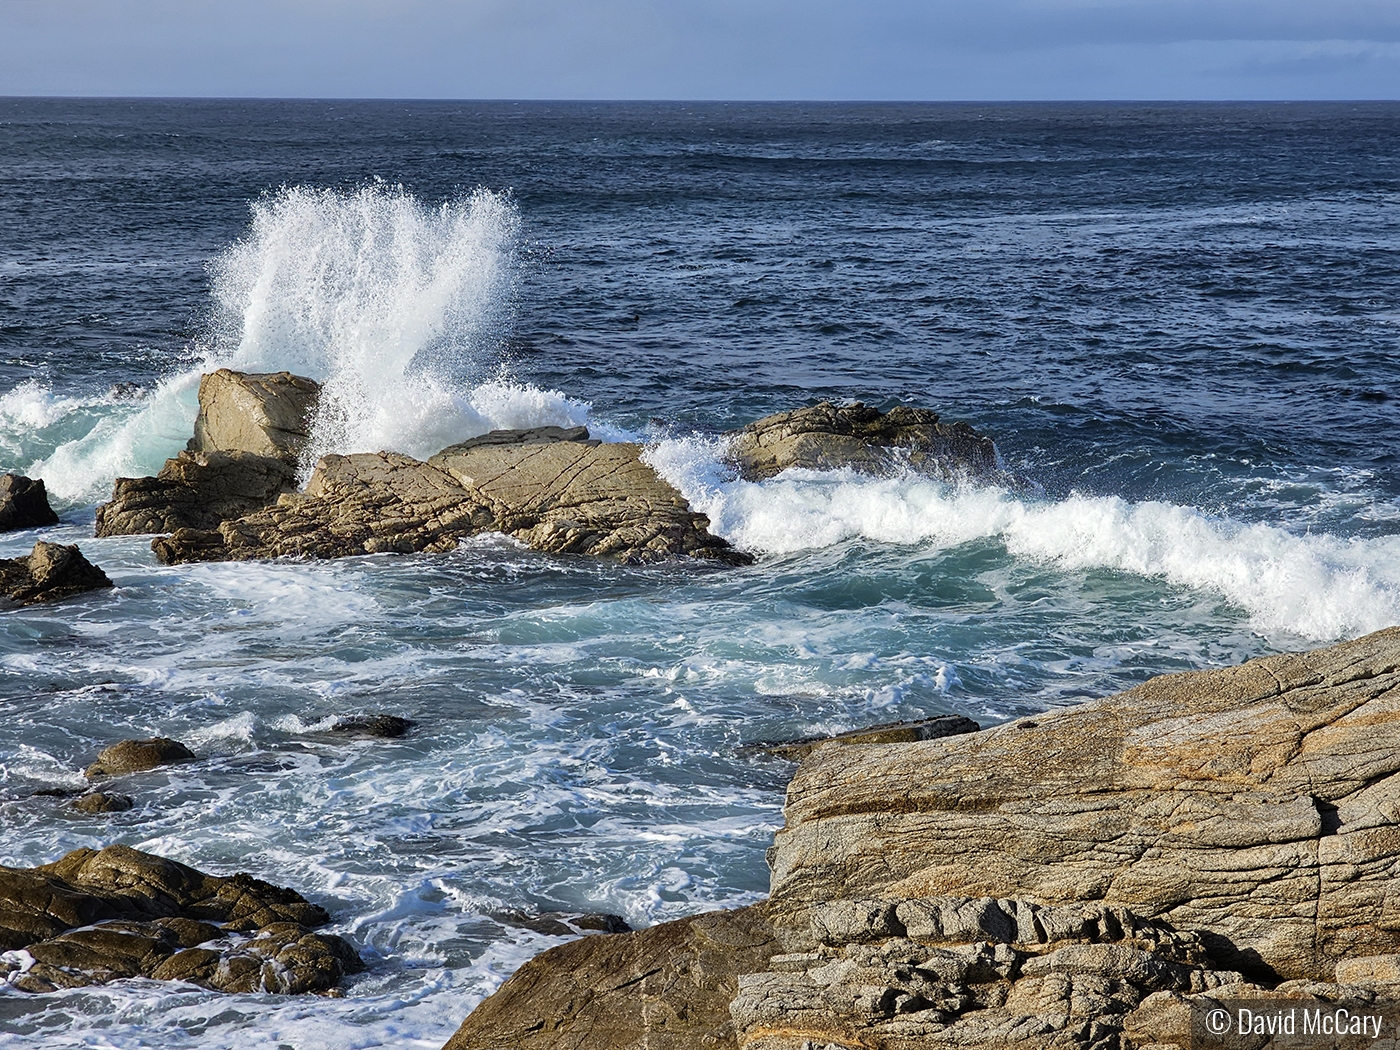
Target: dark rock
{"x": 388, "y": 727}
{"x": 96, "y": 916}
{"x": 562, "y": 923}
{"x": 195, "y": 490}
{"x": 827, "y": 436}
{"x": 24, "y": 504}
{"x": 887, "y": 733}
{"x": 136, "y": 756}
{"x": 51, "y": 571}
{"x": 103, "y": 802}
{"x": 266, "y": 414}
{"x": 665, "y": 988}
{"x": 533, "y": 436}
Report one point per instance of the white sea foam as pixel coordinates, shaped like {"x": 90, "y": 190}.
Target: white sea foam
{"x": 1315, "y": 585}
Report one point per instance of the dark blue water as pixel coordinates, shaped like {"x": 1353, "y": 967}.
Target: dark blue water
{"x": 1179, "y": 323}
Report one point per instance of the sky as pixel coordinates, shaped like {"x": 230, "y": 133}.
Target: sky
{"x": 704, "y": 49}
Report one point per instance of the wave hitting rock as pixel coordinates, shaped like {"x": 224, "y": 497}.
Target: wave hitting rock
{"x": 1078, "y": 879}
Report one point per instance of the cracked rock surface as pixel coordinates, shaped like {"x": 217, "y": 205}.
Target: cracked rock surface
{"x": 98, "y": 915}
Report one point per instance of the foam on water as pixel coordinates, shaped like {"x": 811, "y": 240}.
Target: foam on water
{"x": 1318, "y": 586}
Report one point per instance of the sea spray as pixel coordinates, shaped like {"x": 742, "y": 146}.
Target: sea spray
{"x": 1318, "y": 586}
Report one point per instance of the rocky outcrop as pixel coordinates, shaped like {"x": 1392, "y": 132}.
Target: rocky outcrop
{"x": 558, "y": 492}
{"x": 24, "y": 504}
{"x": 1077, "y": 879}
{"x": 50, "y": 571}
{"x": 666, "y": 988}
{"x": 99, "y": 915}
{"x": 827, "y": 436}
{"x": 265, "y": 414}
{"x": 887, "y": 733}
{"x": 249, "y": 432}
{"x": 137, "y": 756}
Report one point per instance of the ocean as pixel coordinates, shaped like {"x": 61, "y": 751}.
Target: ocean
{"x": 1179, "y": 323}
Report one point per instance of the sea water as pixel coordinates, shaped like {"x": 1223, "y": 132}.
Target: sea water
{"x": 1178, "y": 323}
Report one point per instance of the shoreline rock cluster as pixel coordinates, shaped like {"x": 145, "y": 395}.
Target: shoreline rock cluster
{"x": 231, "y": 495}
{"x": 1079, "y": 879}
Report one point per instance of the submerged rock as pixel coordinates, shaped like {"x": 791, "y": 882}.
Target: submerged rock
{"x": 266, "y": 414}
{"x": 559, "y": 492}
{"x": 137, "y": 756}
{"x": 103, "y": 802}
{"x": 387, "y": 727}
{"x": 194, "y": 490}
{"x": 51, "y": 571}
{"x": 887, "y": 733}
{"x": 562, "y": 923}
{"x": 1077, "y": 880}
{"x": 827, "y": 436}
{"x": 24, "y": 504}
{"x": 99, "y": 915}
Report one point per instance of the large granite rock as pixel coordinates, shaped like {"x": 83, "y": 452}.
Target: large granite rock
{"x": 827, "y": 436}
{"x": 266, "y": 414}
{"x": 1256, "y": 804}
{"x": 49, "y": 572}
{"x": 555, "y": 490}
{"x": 1079, "y": 879}
{"x": 24, "y": 504}
{"x": 137, "y": 756}
{"x": 195, "y": 490}
{"x": 98, "y": 915}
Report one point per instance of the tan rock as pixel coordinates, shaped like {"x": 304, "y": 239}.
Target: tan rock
{"x": 50, "y": 571}
{"x": 136, "y": 756}
{"x": 24, "y": 503}
{"x": 827, "y": 436}
{"x": 194, "y": 490}
{"x": 267, "y": 414}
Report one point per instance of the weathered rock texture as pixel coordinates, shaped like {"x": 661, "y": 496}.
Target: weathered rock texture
{"x": 50, "y": 571}
{"x": 1257, "y": 803}
{"x": 828, "y": 436}
{"x": 95, "y": 916}
{"x": 1079, "y": 879}
{"x": 889, "y": 733}
{"x": 195, "y": 490}
{"x": 136, "y": 756}
{"x": 557, "y": 492}
{"x": 267, "y": 414}
{"x": 24, "y": 504}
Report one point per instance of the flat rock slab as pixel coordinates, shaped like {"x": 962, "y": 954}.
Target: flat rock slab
{"x": 50, "y": 571}
{"x": 24, "y": 504}
{"x": 99, "y": 915}
{"x": 828, "y": 436}
{"x": 561, "y": 493}
{"x": 1255, "y": 804}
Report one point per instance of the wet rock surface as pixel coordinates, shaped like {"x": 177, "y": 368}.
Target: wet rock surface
{"x": 887, "y": 733}
{"x": 24, "y": 504}
{"x": 828, "y": 436}
{"x": 99, "y": 915}
{"x": 195, "y": 490}
{"x": 50, "y": 571}
{"x": 136, "y": 756}
{"x": 560, "y": 494}
{"x": 385, "y": 727}
{"x": 1077, "y": 880}
{"x": 103, "y": 802}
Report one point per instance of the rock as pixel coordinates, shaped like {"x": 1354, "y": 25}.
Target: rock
{"x": 827, "y": 436}
{"x": 24, "y": 504}
{"x": 96, "y": 916}
{"x": 561, "y": 494}
{"x": 886, "y": 733}
{"x": 388, "y": 727}
{"x": 195, "y": 490}
{"x": 1253, "y": 804}
{"x": 104, "y": 802}
{"x": 137, "y": 756}
{"x": 1083, "y": 879}
{"x": 562, "y": 923}
{"x": 51, "y": 571}
{"x": 266, "y": 414}
{"x": 665, "y": 988}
